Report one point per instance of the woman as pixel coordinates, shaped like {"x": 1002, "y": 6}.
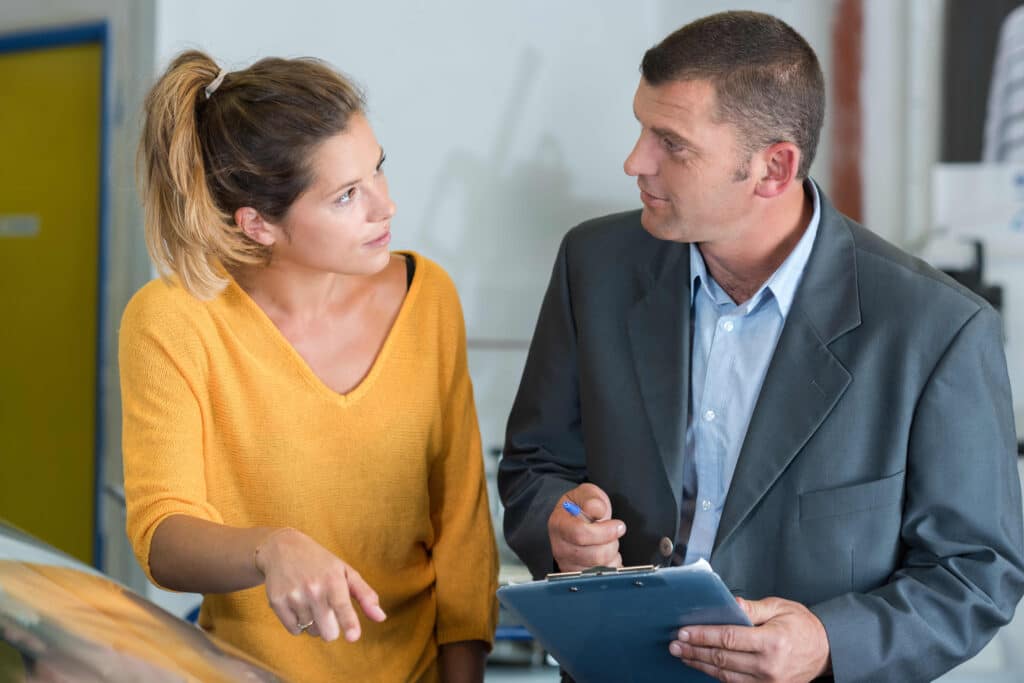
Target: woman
{"x": 300, "y": 441}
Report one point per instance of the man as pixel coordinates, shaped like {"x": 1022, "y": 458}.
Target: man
{"x": 740, "y": 373}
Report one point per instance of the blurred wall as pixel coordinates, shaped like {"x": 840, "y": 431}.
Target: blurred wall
{"x": 901, "y": 90}
{"x": 505, "y": 124}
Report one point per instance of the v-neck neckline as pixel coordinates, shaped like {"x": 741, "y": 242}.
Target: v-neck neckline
{"x": 307, "y": 373}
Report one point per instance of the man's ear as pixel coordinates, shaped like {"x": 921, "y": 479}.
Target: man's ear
{"x": 253, "y": 225}
{"x": 781, "y": 163}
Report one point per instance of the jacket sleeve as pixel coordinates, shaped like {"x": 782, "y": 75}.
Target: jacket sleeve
{"x": 544, "y": 455}
{"x": 963, "y": 572}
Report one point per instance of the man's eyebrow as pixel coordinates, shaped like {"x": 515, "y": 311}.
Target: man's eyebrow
{"x": 671, "y": 135}
{"x": 675, "y": 137}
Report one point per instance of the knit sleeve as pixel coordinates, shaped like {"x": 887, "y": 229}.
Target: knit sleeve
{"x": 464, "y": 554}
{"x": 162, "y": 375}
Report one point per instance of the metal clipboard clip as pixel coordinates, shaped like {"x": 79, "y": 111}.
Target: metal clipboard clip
{"x": 601, "y": 571}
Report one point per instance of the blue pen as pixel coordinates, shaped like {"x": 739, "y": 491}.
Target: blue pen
{"x": 575, "y": 510}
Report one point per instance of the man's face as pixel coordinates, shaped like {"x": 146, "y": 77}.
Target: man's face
{"x": 696, "y": 183}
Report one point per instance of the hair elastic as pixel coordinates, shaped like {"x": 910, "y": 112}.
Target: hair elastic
{"x": 215, "y": 83}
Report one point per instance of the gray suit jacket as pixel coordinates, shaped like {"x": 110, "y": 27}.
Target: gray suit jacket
{"x": 877, "y": 483}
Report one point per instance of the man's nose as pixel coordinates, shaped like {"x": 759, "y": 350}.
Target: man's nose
{"x": 640, "y": 161}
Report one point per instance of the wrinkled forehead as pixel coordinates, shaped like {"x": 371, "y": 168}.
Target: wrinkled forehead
{"x": 682, "y": 106}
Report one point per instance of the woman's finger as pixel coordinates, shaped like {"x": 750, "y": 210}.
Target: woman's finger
{"x": 286, "y": 614}
{"x": 305, "y": 615}
{"x": 367, "y": 598}
{"x": 326, "y": 621}
{"x": 341, "y": 604}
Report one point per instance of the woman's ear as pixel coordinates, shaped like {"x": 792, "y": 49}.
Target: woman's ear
{"x": 781, "y": 163}
{"x": 253, "y": 225}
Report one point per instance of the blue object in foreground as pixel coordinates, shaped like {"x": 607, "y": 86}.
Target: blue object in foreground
{"x": 576, "y": 511}
{"x": 620, "y": 622}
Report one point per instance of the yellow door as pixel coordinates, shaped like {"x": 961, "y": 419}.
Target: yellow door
{"x": 51, "y": 121}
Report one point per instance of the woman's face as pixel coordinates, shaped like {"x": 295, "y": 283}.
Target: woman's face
{"x": 342, "y": 222}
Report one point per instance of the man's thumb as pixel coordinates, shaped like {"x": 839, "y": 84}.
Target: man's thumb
{"x": 758, "y": 611}
{"x": 598, "y": 509}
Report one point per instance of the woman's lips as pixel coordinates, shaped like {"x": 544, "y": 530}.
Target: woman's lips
{"x": 381, "y": 241}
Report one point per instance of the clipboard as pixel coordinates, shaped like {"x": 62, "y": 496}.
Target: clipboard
{"x": 605, "y": 624}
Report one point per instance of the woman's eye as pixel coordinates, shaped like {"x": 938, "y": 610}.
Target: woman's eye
{"x": 346, "y": 197}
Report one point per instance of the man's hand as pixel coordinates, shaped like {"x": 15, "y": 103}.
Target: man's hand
{"x": 786, "y": 643}
{"x": 580, "y": 544}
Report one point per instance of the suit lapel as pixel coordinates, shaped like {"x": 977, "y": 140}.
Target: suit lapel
{"x": 804, "y": 379}
{"x": 659, "y": 331}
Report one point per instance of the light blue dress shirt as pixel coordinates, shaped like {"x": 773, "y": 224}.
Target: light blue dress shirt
{"x": 731, "y": 348}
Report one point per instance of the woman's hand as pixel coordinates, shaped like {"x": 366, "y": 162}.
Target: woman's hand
{"x": 311, "y": 590}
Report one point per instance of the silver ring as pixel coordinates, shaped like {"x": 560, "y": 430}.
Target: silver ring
{"x": 303, "y": 627}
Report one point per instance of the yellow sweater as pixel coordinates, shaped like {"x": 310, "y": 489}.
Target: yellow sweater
{"x": 224, "y": 421}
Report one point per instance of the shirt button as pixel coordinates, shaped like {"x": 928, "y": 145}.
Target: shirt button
{"x": 728, "y": 326}
{"x": 665, "y": 546}
{"x": 705, "y": 505}
{"x": 709, "y": 415}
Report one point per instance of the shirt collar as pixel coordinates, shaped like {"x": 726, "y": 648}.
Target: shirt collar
{"x": 783, "y": 282}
